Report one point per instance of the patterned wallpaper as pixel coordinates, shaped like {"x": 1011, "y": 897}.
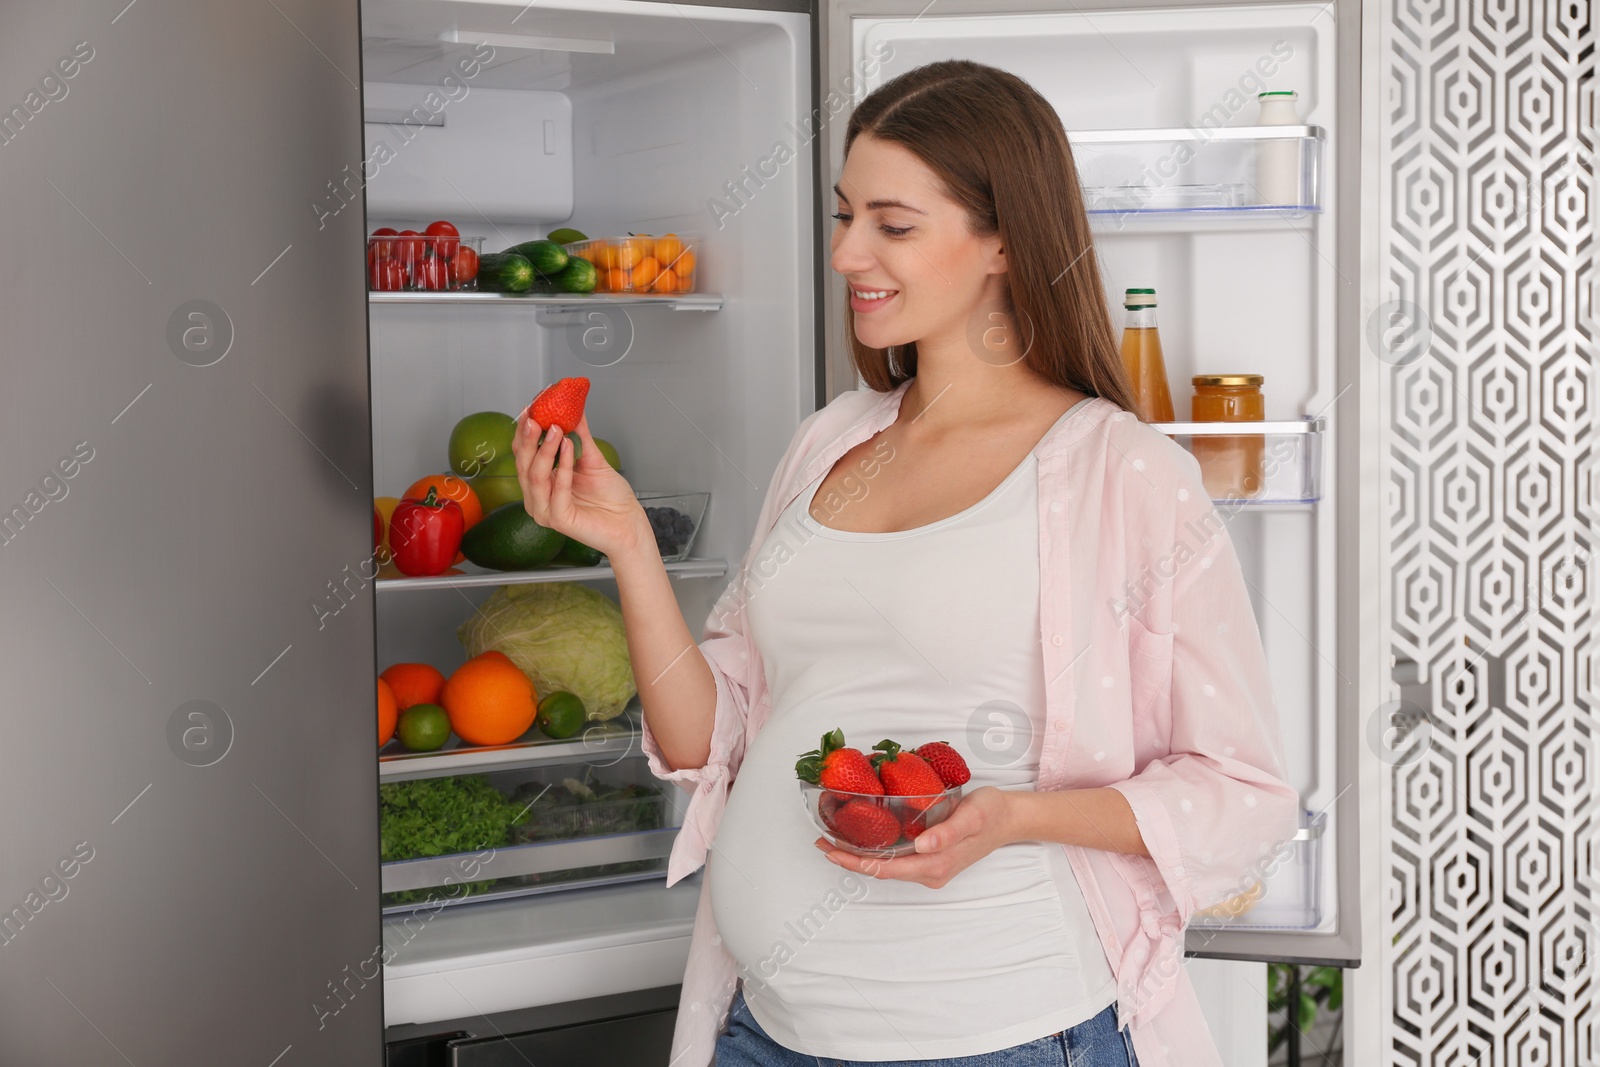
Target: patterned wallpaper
{"x": 1492, "y": 488}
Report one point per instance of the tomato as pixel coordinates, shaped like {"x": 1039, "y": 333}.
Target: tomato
{"x": 387, "y": 275}
{"x": 379, "y": 245}
{"x": 446, "y": 238}
{"x": 464, "y": 266}
{"x": 430, "y": 273}
{"x": 411, "y": 252}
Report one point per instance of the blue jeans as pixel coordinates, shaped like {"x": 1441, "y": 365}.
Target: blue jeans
{"x": 1094, "y": 1042}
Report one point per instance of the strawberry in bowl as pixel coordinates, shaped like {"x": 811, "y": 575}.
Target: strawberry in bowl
{"x": 877, "y": 806}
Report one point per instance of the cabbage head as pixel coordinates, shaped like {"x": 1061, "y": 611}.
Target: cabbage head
{"x": 564, "y": 636}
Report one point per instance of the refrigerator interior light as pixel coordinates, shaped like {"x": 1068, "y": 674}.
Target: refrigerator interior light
{"x": 531, "y": 42}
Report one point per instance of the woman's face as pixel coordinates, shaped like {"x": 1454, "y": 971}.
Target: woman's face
{"x": 914, "y": 271}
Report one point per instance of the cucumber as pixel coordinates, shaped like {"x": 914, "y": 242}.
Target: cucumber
{"x": 505, "y": 272}
{"x": 576, "y": 552}
{"x": 579, "y": 277}
{"x": 547, "y": 257}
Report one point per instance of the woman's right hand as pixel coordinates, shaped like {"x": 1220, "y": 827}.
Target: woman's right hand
{"x": 587, "y": 500}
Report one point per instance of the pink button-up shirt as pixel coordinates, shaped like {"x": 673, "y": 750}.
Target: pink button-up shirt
{"x": 1156, "y": 686}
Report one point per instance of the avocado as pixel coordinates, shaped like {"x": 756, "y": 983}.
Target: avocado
{"x": 508, "y": 539}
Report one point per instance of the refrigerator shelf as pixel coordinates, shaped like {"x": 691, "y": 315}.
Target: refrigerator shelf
{"x": 614, "y": 738}
{"x": 1269, "y": 172}
{"x": 1256, "y": 465}
{"x": 1107, "y": 222}
{"x": 1289, "y": 895}
{"x": 470, "y": 576}
{"x": 1197, "y": 134}
{"x": 554, "y": 301}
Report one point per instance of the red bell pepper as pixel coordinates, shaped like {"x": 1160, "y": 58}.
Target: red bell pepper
{"x": 425, "y": 534}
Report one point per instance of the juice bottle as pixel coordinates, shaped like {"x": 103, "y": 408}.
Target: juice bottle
{"x": 1141, "y": 355}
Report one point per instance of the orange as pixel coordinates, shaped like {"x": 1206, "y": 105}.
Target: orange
{"x": 413, "y": 683}
{"x": 449, "y": 487}
{"x": 686, "y": 283}
{"x": 616, "y": 280}
{"x": 388, "y": 714}
{"x": 602, "y": 255}
{"x": 489, "y": 700}
{"x": 684, "y": 264}
{"x": 645, "y": 271}
{"x": 668, "y": 248}
{"x": 666, "y": 282}
{"x": 629, "y": 253}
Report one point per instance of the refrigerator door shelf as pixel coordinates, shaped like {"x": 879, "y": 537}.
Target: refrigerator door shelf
{"x": 1292, "y": 896}
{"x": 1270, "y": 171}
{"x": 614, "y": 737}
{"x": 1257, "y": 464}
{"x": 469, "y": 576}
{"x": 551, "y": 304}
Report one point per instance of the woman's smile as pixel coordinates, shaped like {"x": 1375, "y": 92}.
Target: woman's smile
{"x": 865, "y": 300}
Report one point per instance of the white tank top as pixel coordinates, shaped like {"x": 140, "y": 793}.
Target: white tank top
{"x": 921, "y": 635}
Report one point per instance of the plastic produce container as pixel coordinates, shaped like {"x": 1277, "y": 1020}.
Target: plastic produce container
{"x": 640, "y": 263}
{"x": 398, "y": 264}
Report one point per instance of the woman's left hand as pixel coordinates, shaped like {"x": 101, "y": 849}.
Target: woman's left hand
{"x": 980, "y": 823}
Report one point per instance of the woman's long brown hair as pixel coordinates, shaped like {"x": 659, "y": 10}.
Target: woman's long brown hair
{"x": 1001, "y": 152}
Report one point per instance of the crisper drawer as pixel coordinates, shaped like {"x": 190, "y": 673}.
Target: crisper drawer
{"x": 504, "y": 833}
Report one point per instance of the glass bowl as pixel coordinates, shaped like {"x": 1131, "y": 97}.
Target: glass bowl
{"x": 675, "y": 519}
{"x": 911, "y": 816}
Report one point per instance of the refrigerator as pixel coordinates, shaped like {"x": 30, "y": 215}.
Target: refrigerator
{"x": 204, "y": 399}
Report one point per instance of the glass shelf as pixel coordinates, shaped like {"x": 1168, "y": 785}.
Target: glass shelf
{"x": 468, "y": 576}
{"x": 612, "y": 739}
{"x": 554, "y": 301}
{"x": 1256, "y": 464}
{"x": 1261, "y": 175}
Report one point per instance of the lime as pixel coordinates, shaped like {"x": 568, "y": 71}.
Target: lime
{"x": 560, "y": 715}
{"x": 424, "y": 727}
{"x": 495, "y": 490}
{"x": 481, "y": 444}
{"x": 565, "y": 235}
{"x": 608, "y": 450}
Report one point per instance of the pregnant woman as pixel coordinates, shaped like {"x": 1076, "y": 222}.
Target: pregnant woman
{"x": 982, "y": 545}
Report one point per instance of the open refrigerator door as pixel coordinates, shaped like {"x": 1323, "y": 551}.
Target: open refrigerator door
{"x": 529, "y": 873}
{"x": 1238, "y": 212}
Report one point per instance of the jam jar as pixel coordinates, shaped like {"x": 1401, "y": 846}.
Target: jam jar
{"x": 1232, "y": 467}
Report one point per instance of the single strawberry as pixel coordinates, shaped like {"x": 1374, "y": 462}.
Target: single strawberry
{"x": 833, "y": 766}
{"x": 906, "y": 774}
{"x": 914, "y": 825}
{"x": 865, "y": 824}
{"x": 561, "y": 404}
{"x": 827, "y": 804}
{"x": 946, "y": 763}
